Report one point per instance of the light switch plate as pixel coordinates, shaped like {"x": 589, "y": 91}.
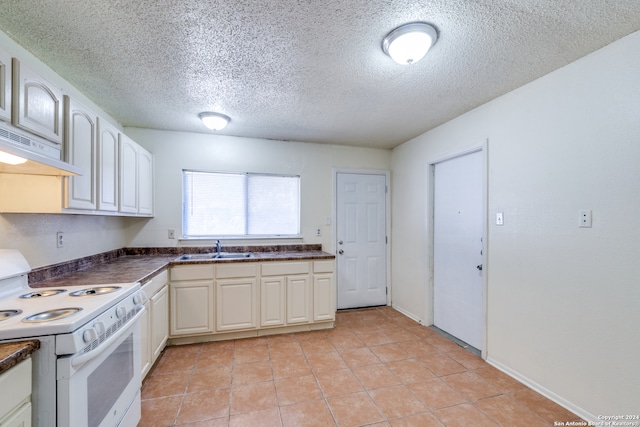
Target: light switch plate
{"x": 499, "y": 218}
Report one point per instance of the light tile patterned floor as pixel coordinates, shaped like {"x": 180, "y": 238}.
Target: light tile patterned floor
{"x": 376, "y": 368}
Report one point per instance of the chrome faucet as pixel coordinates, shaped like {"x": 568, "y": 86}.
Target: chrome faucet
{"x": 218, "y": 247}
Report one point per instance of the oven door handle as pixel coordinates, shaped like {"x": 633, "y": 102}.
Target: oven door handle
{"x": 85, "y": 357}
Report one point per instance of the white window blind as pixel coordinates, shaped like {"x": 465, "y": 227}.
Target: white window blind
{"x": 240, "y": 204}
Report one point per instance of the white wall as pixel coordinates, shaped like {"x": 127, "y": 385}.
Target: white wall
{"x": 562, "y": 301}
{"x": 175, "y": 151}
{"x": 35, "y": 236}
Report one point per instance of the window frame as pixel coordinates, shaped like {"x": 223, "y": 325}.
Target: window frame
{"x": 246, "y": 197}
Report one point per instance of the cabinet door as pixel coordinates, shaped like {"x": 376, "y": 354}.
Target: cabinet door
{"x": 145, "y": 182}
{"x": 20, "y": 418}
{"x": 128, "y": 175}
{"x": 236, "y": 304}
{"x": 323, "y": 297}
{"x": 145, "y": 341}
{"x": 5, "y": 86}
{"x": 37, "y": 104}
{"x": 15, "y": 388}
{"x": 272, "y": 301}
{"x": 159, "y": 322}
{"x": 191, "y": 307}
{"x": 80, "y": 150}
{"x": 298, "y": 299}
{"x": 107, "y": 166}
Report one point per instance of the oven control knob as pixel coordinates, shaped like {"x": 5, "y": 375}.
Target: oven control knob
{"x": 139, "y": 298}
{"x": 89, "y": 335}
{"x": 121, "y": 312}
{"x": 99, "y": 327}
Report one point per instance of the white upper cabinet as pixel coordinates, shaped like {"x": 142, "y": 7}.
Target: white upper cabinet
{"x": 136, "y": 178}
{"x": 5, "y": 86}
{"x": 128, "y": 175}
{"x": 80, "y": 150}
{"x": 37, "y": 104}
{"x": 107, "y": 166}
{"x": 145, "y": 182}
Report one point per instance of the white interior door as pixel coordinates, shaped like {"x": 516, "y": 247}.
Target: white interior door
{"x": 361, "y": 235}
{"x": 457, "y": 243}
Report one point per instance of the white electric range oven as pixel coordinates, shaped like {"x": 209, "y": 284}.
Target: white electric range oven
{"x": 87, "y": 370}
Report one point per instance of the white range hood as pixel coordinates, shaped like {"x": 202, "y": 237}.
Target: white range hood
{"x": 23, "y": 145}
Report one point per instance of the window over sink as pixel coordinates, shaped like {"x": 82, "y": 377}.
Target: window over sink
{"x": 220, "y": 204}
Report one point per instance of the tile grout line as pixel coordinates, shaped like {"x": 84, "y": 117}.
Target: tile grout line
{"x": 351, "y": 327}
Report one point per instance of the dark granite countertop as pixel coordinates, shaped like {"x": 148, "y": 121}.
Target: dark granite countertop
{"x": 125, "y": 269}
{"x": 141, "y": 264}
{"x": 15, "y": 352}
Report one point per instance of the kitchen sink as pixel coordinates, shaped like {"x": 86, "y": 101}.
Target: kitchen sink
{"x": 196, "y": 256}
{"x": 216, "y": 255}
{"x": 234, "y": 255}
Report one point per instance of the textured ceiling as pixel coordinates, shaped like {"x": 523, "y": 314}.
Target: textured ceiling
{"x": 306, "y": 70}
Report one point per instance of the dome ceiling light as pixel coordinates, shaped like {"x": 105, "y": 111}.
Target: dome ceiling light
{"x": 214, "y": 121}
{"x": 408, "y": 43}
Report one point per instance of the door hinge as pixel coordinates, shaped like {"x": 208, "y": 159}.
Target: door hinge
{"x": 386, "y": 189}
{"x": 386, "y": 240}
{"x": 386, "y": 291}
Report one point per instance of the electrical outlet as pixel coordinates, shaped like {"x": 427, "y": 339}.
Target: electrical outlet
{"x": 59, "y": 239}
{"x": 171, "y": 233}
{"x": 318, "y": 232}
{"x": 585, "y": 218}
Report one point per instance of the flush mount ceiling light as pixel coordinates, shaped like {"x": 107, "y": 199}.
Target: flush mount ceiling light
{"x": 408, "y": 43}
{"x": 214, "y": 121}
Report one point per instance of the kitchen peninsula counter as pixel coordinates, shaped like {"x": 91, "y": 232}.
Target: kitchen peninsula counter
{"x": 140, "y": 264}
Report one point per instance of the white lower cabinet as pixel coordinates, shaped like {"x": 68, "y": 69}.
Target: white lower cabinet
{"x": 236, "y": 304}
{"x": 159, "y": 321}
{"x": 227, "y": 297}
{"x": 273, "y": 308}
{"x": 191, "y": 300}
{"x": 15, "y": 395}
{"x": 236, "y": 297}
{"x": 154, "y": 324}
{"x": 291, "y": 280}
{"x": 145, "y": 340}
{"x": 298, "y": 299}
{"x": 324, "y": 291}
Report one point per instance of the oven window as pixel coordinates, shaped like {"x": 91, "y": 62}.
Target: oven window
{"x": 106, "y": 384}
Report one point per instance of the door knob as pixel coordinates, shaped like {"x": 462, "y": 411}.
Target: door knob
{"x": 340, "y": 251}
{"x": 340, "y": 242}
{"x": 479, "y": 267}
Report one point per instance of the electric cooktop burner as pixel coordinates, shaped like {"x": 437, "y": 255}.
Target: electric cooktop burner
{"x": 43, "y": 293}
{"x": 50, "y": 315}
{"x": 98, "y": 290}
{"x": 5, "y": 314}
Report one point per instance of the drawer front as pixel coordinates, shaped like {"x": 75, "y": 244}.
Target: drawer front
{"x": 150, "y": 287}
{"x": 192, "y": 272}
{"x": 323, "y": 266}
{"x": 230, "y": 271}
{"x": 285, "y": 268}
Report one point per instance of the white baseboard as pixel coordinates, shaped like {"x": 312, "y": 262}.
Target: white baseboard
{"x": 585, "y": 415}
{"x": 409, "y": 315}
